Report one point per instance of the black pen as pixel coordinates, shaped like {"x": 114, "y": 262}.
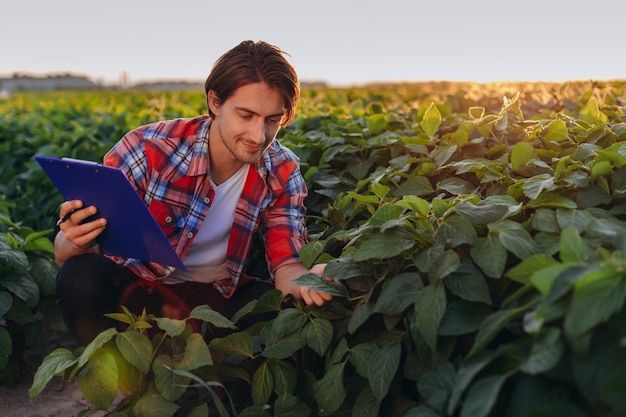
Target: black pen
{"x": 66, "y": 217}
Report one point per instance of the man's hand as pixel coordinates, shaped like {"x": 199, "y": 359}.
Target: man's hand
{"x": 75, "y": 238}
{"x": 285, "y": 275}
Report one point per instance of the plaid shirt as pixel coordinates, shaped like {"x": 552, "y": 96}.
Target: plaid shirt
{"x": 168, "y": 164}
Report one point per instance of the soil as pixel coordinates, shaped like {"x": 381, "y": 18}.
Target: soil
{"x": 58, "y": 399}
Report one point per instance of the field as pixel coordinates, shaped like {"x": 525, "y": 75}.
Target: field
{"x": 476, "y": 234}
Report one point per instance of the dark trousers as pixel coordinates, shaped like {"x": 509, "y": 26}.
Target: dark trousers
{"x": 90, "y": 286}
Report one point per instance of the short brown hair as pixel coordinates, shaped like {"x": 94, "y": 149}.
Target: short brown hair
{"x": 252, "y": 62}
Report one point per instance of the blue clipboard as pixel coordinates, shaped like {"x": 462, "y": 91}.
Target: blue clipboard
{"x": 131, "y": 230}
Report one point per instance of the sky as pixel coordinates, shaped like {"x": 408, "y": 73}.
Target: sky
{"x": 341, "y": 42}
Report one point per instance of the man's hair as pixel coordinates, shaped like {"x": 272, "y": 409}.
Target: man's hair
{"x": 252, "y": 62}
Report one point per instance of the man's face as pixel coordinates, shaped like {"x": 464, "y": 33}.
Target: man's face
{"x": 247, "y": 121}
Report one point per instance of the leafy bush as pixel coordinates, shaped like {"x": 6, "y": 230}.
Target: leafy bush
{"x": 476, "y": 238}
{"x": 28, "y": 312}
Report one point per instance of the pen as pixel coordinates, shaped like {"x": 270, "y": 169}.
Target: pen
{"x": 66, "y": 217}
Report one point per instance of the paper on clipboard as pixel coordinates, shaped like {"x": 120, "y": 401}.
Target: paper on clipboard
{"x": 131, "y": 230}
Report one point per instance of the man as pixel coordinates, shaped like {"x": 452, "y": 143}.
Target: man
{"x": 210, "y": 182}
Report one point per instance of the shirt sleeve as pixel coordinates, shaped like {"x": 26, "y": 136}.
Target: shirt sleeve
{"x": 285, "y": 223}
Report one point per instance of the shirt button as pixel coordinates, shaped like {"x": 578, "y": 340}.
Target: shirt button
{"x": 207, "y": 200}
{"x": 168, "y": 219}
{"x": 189, "y": 235}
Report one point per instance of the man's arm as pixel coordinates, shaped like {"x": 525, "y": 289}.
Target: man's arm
{"x": 284, "y": 276}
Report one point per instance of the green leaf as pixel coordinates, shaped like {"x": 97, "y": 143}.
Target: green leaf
{"x": 98, "y": 379}
{"x": 238, "y": 343}
{"x": 172, "y": 327}
{"x": 288, "y": 321}
{"x": 534, "y": 186}
{"x": 6, "y": 301}
{"x": 366, "y": 404}
{"x": 152, "y": 404}
{"x": 136, "y": 348}
{"x": 96, "y": 344}
{"x": 56, "y": 362}
{"x": 545, "y": 352}
{"x": 329, "y": 390}
{"x": 597, "y": 296}
{"x": 515, "y": 238}
{"x": 318, "y": 334}
{"x": 443, "y": 265}
{"x": 463, "y": 317}
{"x": 310, "y": 252}
{"x": 317, "y": 283}
{"x": 573, "y": 248}
{"x": 523, "y": 271}
{"x": 171, "y": 385}
{"x": 430, "y": 307}
{"x": 490, "y": 255}
{"x": 384, "y": 363}
{"x": 431, "y": 120}
{"x": 491, "y": 327}
{"x": 482, "y": 396}
{"x": 269, "y": 301}
{"x": 284, "y": 377}
{"x": 591, "y": 113}
{"x": 22, "y": 285}
{"x": 262, "y": 384}
{"x": 383, "y": 245}
{"x": 414, "y": 186}
{"x": 44, "y": 273}
{"x": 398, "y": 293}
{"x": 13, "y": 260}
{"x": 206, "y": 313}
{"x": 360, "y": 357}
{"x": 468, "y": 283}
{"x": 289, "y": 406}
{"x": 455, "y": 231}
{"x": 521, "y": 154}
{"x": 469, "y": 368}
{"x": 556, "y": 131}
{"x": 418, "y": 205}
{"x": 196, "y": 354}
{"x": 285, "y": 346}
{"x": 435, "y": 385}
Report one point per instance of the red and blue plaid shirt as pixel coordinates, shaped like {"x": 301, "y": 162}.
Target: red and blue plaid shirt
{"x": 168, "y": 164}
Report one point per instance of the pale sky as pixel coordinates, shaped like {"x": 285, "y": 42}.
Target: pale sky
{"x": 342, "y": 42}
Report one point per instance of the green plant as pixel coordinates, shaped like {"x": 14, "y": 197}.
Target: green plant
{"x": 28, "y": 313}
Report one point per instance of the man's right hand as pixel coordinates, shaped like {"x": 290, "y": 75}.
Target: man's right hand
{"x": 75, "y": 238}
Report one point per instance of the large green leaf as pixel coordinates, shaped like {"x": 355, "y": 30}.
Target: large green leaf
{"x": 545, "y": 352}
{"x": 383, "y": 245}
{"x": 262, "y": 384}
{"x": 444, "y": 265}
{"x": 455, "y": 231}
{"x": 398, "y": 293}
{"x": 13, "y": 260}
{"x": 597, "y": 296}
{"x": 98, "y": 379}
{"x": 330, "y": 391}
{"x": 430, "y": 307}
{"x": 151, "y": 404}
{"x": 283, "y": 377}
{"x": 515, "y": 238}
{"x": 238, "y": 343}
{"x": 318, "y": 334}
{"x": 468, "y": 283}
{"x": 463, "y": 317}
{"x": 288, "y": 321}
{"x": 482, "y": 395}
{"x": 196, "y": 354}
{"x": 56, "y": 362}
{"x": 491, "y": 327}
{"x": 490, "y": 255}
{"x": 170, "y": 385}
{"x": 6, "y": 301}
{"x": 431, "y": 120}
{"x": 22, "y": 285}
{"x": 206, "y": 313}
{"x": 573, "y": 248}
{"x": 136, "y": 348}
{"x": 435, "y": 385}
{"x": 384, "y": 363}
{"x": 285, "y": 346}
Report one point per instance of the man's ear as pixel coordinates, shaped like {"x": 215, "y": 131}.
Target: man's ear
{"x": 213, "y": 102}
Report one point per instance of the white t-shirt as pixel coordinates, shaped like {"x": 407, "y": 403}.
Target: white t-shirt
{"x": 206, "y": 258}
